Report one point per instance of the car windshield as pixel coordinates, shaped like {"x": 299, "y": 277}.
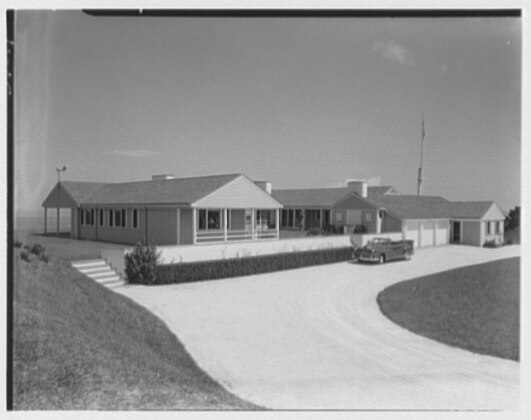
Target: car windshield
{"x": 377, "y": 241}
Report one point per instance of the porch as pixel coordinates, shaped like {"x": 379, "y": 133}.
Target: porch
{"x": 211, "y": 225}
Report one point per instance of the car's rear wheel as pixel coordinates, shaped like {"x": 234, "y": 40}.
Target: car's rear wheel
{"x": 407, "y": 255}
{"x": 381, "y": 260}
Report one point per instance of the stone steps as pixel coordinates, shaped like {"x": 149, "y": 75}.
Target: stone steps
{"x": 99, "y": 271}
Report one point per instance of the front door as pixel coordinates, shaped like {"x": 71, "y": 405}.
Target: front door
{"x": 456, "y": 232}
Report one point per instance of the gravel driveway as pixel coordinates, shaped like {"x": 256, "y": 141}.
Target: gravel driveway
{"x": 314, "y": 338}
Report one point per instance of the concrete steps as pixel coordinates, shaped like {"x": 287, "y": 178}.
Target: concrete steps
{"x": 100, "y": 272}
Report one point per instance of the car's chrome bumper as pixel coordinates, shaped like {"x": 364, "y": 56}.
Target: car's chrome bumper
{"x": 370, "y": 258}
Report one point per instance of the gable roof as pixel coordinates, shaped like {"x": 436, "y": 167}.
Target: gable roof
{"x": 72, "y": 193}
{"x": 323, "y": 197}
{"x": 470, "y": 209}
{"x": 413, "y": 206}
{"x": 172, "y": 191}
{"x": 314, "y": 197}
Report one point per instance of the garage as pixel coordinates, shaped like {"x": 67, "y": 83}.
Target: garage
{"x": 426, "y": 233}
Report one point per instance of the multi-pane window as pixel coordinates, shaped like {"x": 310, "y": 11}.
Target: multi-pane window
{"x": 101, "y": 217}
{"x": 87, "y": 217}
{"x": 118, "y": 218}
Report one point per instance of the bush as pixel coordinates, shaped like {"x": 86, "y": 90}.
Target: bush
{"x": 17, "y": 244}
{"x": 313, "y": 232}
{"x": 141, "y": 264}
{"x": 490, "y": 244}
{"x": 508, "y": 241}
{"x": 360, "y": 229}
{"x": 234, "y": 267}
{"x": 38, "y": 250}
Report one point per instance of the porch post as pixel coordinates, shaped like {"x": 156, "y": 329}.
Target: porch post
{"x": 45, "y": 220}
{"x": 225, "y": 225}
{"x": 253, "y": 218}
{"x": 194, "y": 225}
{"x": 278, "y": 222}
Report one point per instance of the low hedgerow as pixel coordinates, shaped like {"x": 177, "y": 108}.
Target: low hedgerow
{"x": 235, "y": 267}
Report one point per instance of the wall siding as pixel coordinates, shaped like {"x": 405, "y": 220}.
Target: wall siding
{"x": 237, "y": 220}
{"x": 162, "y": 226}
{"x": 391, "y": 224}
{"x": 186, "y": 231}
{"x": 471, "y": 233}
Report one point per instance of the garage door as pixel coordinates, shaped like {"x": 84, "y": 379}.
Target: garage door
{"x": 427, "y": 230}
{"x": 412, "y": 232}
{"x": 442, "y": 234}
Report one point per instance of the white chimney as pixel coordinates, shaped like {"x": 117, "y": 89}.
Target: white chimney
{"x": 162, "y": 177}
{"x": 359, "y": 187}
{"x": 267, "y": 186}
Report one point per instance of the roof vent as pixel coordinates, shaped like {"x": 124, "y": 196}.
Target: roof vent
{"x": 162, "y": 177}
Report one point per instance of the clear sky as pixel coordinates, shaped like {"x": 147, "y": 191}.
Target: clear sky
{"x": 300, "y": 102}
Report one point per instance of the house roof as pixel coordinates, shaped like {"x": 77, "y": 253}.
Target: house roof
{"x": 468, "y": 209}
{"x": 323, "y": 197}
{"x": 314, "y": 197}
{"x": 172, "y": 191}
{"x": 414, "y": 207}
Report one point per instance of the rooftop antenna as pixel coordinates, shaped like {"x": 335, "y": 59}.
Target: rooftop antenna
{"x": 419, "y": 188}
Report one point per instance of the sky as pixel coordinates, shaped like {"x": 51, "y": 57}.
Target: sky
{"x": 302, "y": 103}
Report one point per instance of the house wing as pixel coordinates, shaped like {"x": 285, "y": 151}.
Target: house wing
{"x": 240, "y": 193}
{"x": 71, "y": 194}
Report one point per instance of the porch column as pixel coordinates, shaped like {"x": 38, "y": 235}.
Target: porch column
{"x": 225, "y": 225}
{"x": 45, "y": 220}
{"x": 277, "y": 223}
{"x": 253, "y": 220}
{"x": 194, "y": 225}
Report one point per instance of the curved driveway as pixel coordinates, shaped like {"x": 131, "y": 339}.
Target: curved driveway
{"x": 314, "y": 338}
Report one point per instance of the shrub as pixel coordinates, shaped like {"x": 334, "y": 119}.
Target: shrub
{"x": 360, "y": 229}
{"x": 508, "y": 241}
{"x": 234, "y": 267}
{"x": 141, "y": 264}
{"x": 490, "y": 244}
{"x": 17, "y": 244}
{"x": 39, "y": 250}
{"x": 313, "y": 232}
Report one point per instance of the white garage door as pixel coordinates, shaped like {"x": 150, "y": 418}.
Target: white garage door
{"x": 412, "y": 232}
{"x": 442, "y": 234}
{"x": 427, "y": 231}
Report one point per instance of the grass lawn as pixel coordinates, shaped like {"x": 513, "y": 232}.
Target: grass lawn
{"x": 77, "y": 345}
{"x": 475, "y": 308}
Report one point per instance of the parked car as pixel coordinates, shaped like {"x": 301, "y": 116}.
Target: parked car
{"x": 381, "y": 250}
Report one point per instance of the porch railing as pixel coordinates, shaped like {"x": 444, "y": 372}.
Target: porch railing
{"x": 235, "y": 235}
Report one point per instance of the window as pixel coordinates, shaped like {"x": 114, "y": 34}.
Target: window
{"x": 87, "y": 217}
{"x": 101, "y": 217}
{"x": 488, "y": 227}
{"x": 339, "y": 217}
{"x": 499, "y": 226}
{"x": 135, "y": 218}
{"x": 118, "y": 218}
{"x": 209, "y": 219}
{"x": 368, "y": 217}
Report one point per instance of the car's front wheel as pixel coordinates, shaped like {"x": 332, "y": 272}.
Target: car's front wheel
{"x": 407, "y": 255}
{"x": 381, "y": 259}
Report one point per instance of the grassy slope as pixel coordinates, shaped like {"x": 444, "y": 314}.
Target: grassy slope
{"x": 475, "y": 308}
{"x": 79, "y": 346}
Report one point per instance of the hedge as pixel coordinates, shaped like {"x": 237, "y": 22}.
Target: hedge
{"x": 235, "y": 267}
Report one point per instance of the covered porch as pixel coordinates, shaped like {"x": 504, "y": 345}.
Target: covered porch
{"x": 212, "y": 225}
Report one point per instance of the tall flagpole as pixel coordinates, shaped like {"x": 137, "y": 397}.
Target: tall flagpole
{"x": 419, "y": 188}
